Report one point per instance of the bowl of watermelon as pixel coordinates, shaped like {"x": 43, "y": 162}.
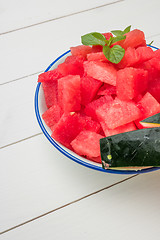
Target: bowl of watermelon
{"x": 95, "y": 97}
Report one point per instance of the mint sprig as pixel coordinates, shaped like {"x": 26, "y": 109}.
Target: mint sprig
{"x": 150, "y": 43}
{"x": 113, "y": 53}
{"x": 93, "y": 38}
{"x": 120, "y": 33}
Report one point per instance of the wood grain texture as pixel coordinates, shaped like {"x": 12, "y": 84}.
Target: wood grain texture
{"x": 35, "y": 48}
{"x": 35, "y": 178}
{"x": 28, "y": 13}
{"x": 126, "y": 211}
{"x": 17, "y": 114}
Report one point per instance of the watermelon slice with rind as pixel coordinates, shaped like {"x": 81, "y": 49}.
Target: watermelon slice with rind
{"x": 132, "y": 149}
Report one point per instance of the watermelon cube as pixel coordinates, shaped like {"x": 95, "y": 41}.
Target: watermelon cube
{"x": 157, "y": 53}
{"x": 124, "y": 128}
{"x": 87, "y": 144}
{"x": 81, "y": 50}
{"x": 148, "y": 106}
{"x": 145, "y": 53}
{"x": 96, "y": 48}
{"x": 69, "y": 93}
{"x": 131, "y": 82}
{"x": 87, "y": 123}
{"x": 153, "y": 73}
{"x": 52, "y": 115}
{"x": 89, "y": 88}
{"x": 134, "y": 56}
{"x": 107, "y": 89}
{"x": 73, "y": 65}
{"x": 90, "y": 108}
{"x": 120, "y": 113}
{"x": 97, "y": 56}
{"x": 66, "y": 129}
{"x": 130, "y": 58}
{"x": 50, "y": 90}
{"x": 134, "y": 39}
{"x": 101, "y": 71}
{"x": 49, "y": 76}
{"x": 155, "y": 63}
{"x": 154, "y": 88}
{"x": 102, "y": 110}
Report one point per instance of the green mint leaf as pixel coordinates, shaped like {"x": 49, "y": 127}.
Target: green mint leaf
{"x": 127, "y": 29}
{"x": 106, "y": 51}
{"x": 93, "y": 38}
{"x": 114, "y": 54}
{"x": 110, "y": 41}
{"x": 117, "y": 32}
{"x": 121, "y": 33}
{"x": 118, "y": 38}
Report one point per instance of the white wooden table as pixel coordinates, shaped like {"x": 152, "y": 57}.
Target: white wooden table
{"x": 44, "y": 195}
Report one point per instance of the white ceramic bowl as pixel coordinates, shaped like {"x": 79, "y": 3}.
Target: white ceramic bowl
{"x": 40, "y": 108}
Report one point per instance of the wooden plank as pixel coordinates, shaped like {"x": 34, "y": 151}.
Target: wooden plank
{"x": 126, "y": 211}
{"x": 35, "y": 48}
{"x": 25, "y": 13}
{"x": 35, "y": 178}
{"x": 17, "y": 110}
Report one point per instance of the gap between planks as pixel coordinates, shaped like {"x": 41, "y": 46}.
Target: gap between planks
{"x": 57, "y": 18}
{"x": 68, "y": 204}
{"x": 17, "y": 79}
{"x": 24, "y": 139}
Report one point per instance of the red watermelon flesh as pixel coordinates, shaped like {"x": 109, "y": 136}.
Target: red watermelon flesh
{"x": 81, "y": 50}
{"x": 102, "y": 110}
{"x": 124, "y": 128}
{"x": 52, "y": 115}
{"x": 73, "y": 65}
{"x": 154, "y": 88}
{"x": 134, "y": 39}
{"x": 120, "y": 113}
{"x": 107, "y": 89}
{"x": 97, "y": 56}
{"x": 49, "y": 76}
{"x": 148, "y": 106}
{"x": 131, "y": 82}
{"x": 90, "y": 108}
{"x": 101, "y": 71}
{"x": 157, "y": 53}
{"x": 69, "y": 93}
{"x": 50, "y": 92}
{"x": 135, "y": 56}
{"x": 89, "y": 88}
{"x": 96, "y": 48}
{"x": 145, "y": 53}
{"x": 155, "y": 62}
{"x": 66, "y": 129}
{"x": 87, "y": 123}
{"x": 130, "y": 58}
{"x": 152, "y": 71}
{"x": 87, "y": 144}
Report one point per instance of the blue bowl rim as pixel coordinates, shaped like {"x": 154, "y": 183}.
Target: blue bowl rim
{"x": 67, "y": 154}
